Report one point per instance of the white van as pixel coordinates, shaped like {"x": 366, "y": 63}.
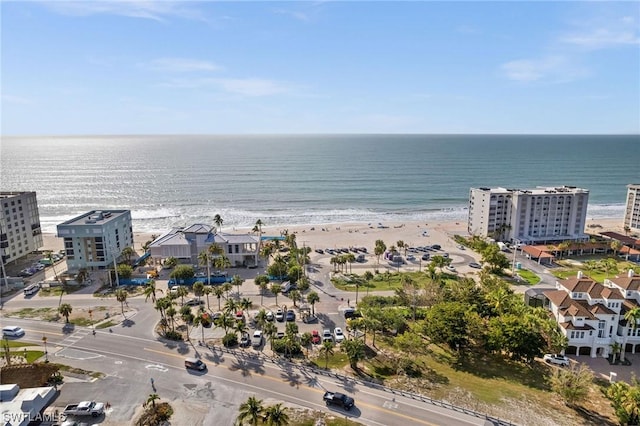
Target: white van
{"x": 287, "y": 286}
{"x": 32, "y": 289}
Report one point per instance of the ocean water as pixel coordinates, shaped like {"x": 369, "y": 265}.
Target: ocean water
{"x": 305, "y": 179}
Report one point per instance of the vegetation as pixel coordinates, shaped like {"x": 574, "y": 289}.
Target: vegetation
{"x": 253, "y": 412}
{"x": 572, "y": 384}
{"x": 625, "y": 400}
{"x": 65, "y": 310}
{"x": 124, "y": 271}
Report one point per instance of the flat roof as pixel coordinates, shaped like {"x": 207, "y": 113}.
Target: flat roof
{"x": 96, "y": 217}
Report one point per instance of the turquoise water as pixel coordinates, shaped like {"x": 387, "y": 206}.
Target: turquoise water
{"x": 312, "y": 179}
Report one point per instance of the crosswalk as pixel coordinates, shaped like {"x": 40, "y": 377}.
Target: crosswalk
{"x": 75, "y": 337}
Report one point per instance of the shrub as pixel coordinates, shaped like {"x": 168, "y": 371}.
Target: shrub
{"x": 230, "y": 339}
{"x": 280, "y": 347}
{"x": 173, "y": 335}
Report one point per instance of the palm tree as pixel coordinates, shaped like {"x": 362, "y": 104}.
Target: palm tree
{"x": 227, "y": 288}
{"x": 270, "y": 330}
{"x": 48, "y": 254}
{"x": 276, "y": 289}
{"x": 82, "y": 275}
{"x": 150, "y": 291}
{"x": 245, "y": 304}
{"x": 225, "y": 322}
{"x": 237, "y": 281}
{"x": 204, "y": 258}
{"x": 615, "y": 246}
{"x": 240, "y": 327}
{"x": 65, "y": 310}
{"x": 121, "y": 296}
{"x": 217, "y": 219}
{"x": 127, "y": 253}
{"x": 198, "y": 289}
{"x": 354, "y": 348}
{"x": 295, "y": 296}
{"x": 379, "y": 249}
{"x": 218, "y": 291}
{"x": 276, "y": 415}
{"x": 170, "y": 313}
{"x": 182, "y": 292}
{"x": 230, "y": 306}
{"x": 63, "y": 288}
{"x": 615, "y": 350}
{"x": 312, "y": 299}
{"x": 261, "y": 318}
{"x": 152, "y": 399}
{"x": 633, "y": 318}
{"x": 250, "y": 410}
{"x": 207, "y": 290}
{"x": 327, "y": 350}
{"x": 262, "y": 281}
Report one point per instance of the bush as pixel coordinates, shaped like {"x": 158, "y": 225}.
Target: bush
{"x": 230, "y": 339}
{"x": 173, "y": 335}
{"x": 280, "y": 347}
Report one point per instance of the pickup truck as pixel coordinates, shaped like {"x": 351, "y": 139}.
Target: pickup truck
{"x": 84, "y": 408}
{"x": 339, "y": 399}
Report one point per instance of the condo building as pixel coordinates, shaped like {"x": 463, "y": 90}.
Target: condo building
{"x": 530, "y": 216}
{"x": 95, "y": 239}
{"x": 632, "y": 212}
{"x": 20, "y": 232}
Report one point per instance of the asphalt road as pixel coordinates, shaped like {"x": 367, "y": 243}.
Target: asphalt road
{"x": 130, "y": 362}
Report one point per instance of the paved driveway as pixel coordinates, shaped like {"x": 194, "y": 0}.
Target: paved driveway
{"x": 601, "y": 367}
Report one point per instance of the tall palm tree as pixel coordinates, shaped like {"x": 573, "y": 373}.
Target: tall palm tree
{"x": 379, "y": 249}
{"x": 150, "y": 291}
{"x": 198, "y": 289}
{"x": 204, "y": 258}
{"x": 240, "y": 327}
{"x": 354, "y": 348}
{"x": 219, "y": 292}
{"x": 262, "y": 281}
{"x": 230, "y": 306}
{"x": 295, "y": 296}
{"x": 217, "y": 219}
{"x": 207, "y": 290}
{"x": 276, "y": 415}
{"x": 250, "y": 410}
{"x": 312, "y": 299}
{"x": 270, "y": 330}
{"x": 182, "y": 292}
{"x": 225, "y": 322}
{"x": 121, "y": 296}
{"x": 127, "y": 253}
{"x": 245, "y": 304}
{"x": 65, "y": 310}
{"x": 170, "y": 313}
{"x": 326, "y": 350}
{"x": 222, "y": 262}
{"x": 615, "y": 246}
{"x": 237, "y": 281}
{"x": 227, "y": 288}
{"x": 261, "y": 318}
{"x": 276, "y": 289}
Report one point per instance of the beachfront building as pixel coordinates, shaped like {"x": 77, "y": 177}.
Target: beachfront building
{"x": 20, "y": 232}
{"x": 541, "y": 215}
{"x": 591, "y": 315}
{"x": 186, "y": 243}
{"x": 632, "y": 212}
{"x": 95, "y": 240}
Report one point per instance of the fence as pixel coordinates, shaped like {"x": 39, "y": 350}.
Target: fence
{"x": 370, "y": 383}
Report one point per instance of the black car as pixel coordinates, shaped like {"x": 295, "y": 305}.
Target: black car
{"x": 339, "y": 399}
{"x": 291, "y": 316}
{"x": 319, "y": 251}
{"x": 426, "y": 256}
{"x": 436, "y": 246}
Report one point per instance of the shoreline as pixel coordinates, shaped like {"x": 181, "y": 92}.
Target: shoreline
{"x": 323, "y": 236}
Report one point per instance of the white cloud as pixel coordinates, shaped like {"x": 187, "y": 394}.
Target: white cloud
{"x": 555, "y": 69}
{"x": 182, "y": 65}
{"x": 602, "y": 33}
{"x": 143, "y": 9}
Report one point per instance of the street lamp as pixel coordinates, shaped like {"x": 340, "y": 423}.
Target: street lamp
{"x": 46, "y": 354}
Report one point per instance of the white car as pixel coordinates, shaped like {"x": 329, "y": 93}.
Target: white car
{"x": 256, "y": 340}
{"x": 556, "y": 359}
{"x": 450, "y": 268}
{"x": 326, "y": 335}
{"x": 12, "y": 331}
{"x": 339, "y": 335}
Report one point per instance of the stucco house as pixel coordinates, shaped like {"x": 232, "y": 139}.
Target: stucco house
{"x": 186, "y": 243}
{"x": 591, "y": 315}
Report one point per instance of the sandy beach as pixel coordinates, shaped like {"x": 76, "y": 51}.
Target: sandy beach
{"x": 345, "y": 235}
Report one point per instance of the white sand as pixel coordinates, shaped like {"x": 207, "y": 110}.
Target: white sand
{"x": 345, "y": 235}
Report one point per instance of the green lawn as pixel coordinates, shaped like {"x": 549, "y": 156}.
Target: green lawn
{"x": 571, "y": 270}
{"x": 384, "y": 281}
{"x": 31, "y": 355}
{"x": 337, "y": 360}
{"x": 528, "y": 276}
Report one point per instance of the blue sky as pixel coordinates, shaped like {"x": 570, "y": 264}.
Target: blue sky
{"x": 130, "y": 67}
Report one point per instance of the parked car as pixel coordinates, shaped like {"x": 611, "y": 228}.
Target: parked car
{"x": 339, "y": 335}
{"x": 326, "y": 335}
{"x": 426, "y": 256}
{"x": 319, "y": 251}
{"x": 315, "y": 337}
{"x": 256, "y": 340}
{"x": 475, "y": 265}
{"x": 269, "y": 316}
{"x": 556, "y": 359}
{"x": 291, "y": 316}
{"x": 279, "y": 315}
{"x": 194, "y": 302}
{"x": 436, "y": 246}
{"x": 12, "y": 331}
{"x": 245, "y": 340}
{"x": 450, "y": 268}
